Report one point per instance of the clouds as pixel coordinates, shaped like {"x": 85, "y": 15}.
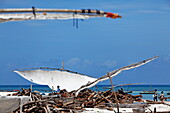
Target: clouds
{"x": 32, "y": 23}
{"x": 77, "y": 61}
{"x": 73, "y": 61}
{"x": 166, "y": 58}
{"x": 148, "y": 11}
{"x": 140, "y": 7}
{"x": 86, "y": 64}
{"x": 14, "y": 3}
{"x": 109, "y": 63}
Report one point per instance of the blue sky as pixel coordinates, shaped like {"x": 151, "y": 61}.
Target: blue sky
{"x": 100, "y": 45}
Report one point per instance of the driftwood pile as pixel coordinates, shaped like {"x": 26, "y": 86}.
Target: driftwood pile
{"x": 27, "y": 92}
{"x": 65, "y": 102}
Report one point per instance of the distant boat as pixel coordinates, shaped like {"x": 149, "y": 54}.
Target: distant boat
{"x": 168, "y": 93}
{"x": 147, "y": 92}
{"x": 123, "y": 85}
{"x": 123, "y": 91}
{"x": 128, "y": 91}
{"x": 106, "y": 87}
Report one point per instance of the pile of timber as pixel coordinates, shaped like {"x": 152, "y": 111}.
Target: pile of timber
{"x": 27, "y": 92}
{"x": 154, "y": 102}
{"x": 65, "y": 102}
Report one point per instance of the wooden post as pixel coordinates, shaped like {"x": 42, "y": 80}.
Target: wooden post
{"x": 117, "y": 105}
{"x": 20, "y": 105}
{"x": 31, "y": 87}
{"x": 154, "y": 110}
{"x": 62, "y": 66}
{"x": 53, "y": 89}
{"x": 31, "y": 92}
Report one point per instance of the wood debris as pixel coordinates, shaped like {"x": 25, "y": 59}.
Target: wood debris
{"x": 65, "y": 102}
{"x": 27, "y": 92}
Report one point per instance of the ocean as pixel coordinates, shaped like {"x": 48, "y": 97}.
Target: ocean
{"x": 135, "y": 88}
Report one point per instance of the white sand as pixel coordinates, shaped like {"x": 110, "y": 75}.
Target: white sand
{"x": 6, "y": 93}
{"x": 159, "y": 108}
{"x": 97, "y": 110}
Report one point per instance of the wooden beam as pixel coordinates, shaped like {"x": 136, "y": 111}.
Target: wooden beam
{"x": 50, "y": 10}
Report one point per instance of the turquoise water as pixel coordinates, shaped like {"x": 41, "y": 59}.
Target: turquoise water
{"x": 135, "y": 88}
{"x": 40, "y": 88}
{"x": 139, "y": 88}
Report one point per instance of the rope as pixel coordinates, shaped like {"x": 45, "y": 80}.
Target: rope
{"x": 75, "y": 20}
{"x": 33, "y": 11}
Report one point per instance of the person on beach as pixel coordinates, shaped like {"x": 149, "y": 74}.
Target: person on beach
{"x": 161, "y": 97}
{"x": 57, "y": 92}
{"x": 58, "y": 89}
{"x": 155, "y": 96}
{"x": 121, "y": 91}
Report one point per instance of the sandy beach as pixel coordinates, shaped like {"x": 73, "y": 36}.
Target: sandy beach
{"x": 11, "y": 103}
{"x": 6, "y": 93}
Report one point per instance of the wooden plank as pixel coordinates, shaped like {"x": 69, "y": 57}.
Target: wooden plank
{"x": 50, "y": 10}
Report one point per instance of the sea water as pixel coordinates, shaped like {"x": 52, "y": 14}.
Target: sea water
{"x": 135, "y": 88}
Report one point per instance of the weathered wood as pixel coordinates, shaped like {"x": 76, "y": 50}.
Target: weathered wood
{"x": 30, "y": 109}
{"x": 117, "y": 71}
{"x": 86, "y": 98}
{"x": 47, "y": 10}
{"x": 117, "y": 105}
{"x": 68, "y": 103}
{"x": 92, "y": 95}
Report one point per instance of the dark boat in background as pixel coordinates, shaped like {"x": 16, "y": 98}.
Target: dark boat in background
{"x": 128, "y": 91}
{"x": 147, "y": 92}
{"x": 168, "y": 93}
